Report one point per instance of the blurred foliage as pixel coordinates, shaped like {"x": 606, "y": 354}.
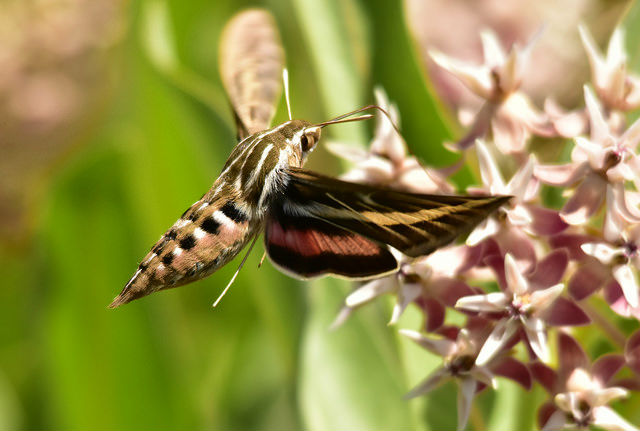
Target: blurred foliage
{"x": 265, "y": 358}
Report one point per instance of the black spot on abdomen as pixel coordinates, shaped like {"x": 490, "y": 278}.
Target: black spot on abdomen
{"x": 210, "y": 225}
{"x": 234, "y": 213}
{"x": 187, "y": 242}
{"x": 167, "y": 258}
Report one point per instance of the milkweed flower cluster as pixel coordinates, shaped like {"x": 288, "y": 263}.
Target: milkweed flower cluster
{"x": 535, "y": 268}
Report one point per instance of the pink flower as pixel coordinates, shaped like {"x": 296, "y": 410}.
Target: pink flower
{"x": 580, "y": 391}
{"x": 507, "y": 114}
{"x": 418, "y": 280}
{"x": 621, "y": 254}
{"x": 567, "y": 124}
{"x": 615, "y": 86}
{"x": 590, "y": 275}
{"x": 525, "y": 303}
{"x": 601, "y": 165}
{"x": 405, "y": 284}
{"x": 459, "y": 363}
{"x": 512, "y": 224}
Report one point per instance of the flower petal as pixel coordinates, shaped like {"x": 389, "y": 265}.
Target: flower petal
{"x": 624, "y": 205}
{"x": 371, "y": 290}
{"x": 483, "y": 231}
{"x": 572, "y": 243}
{"x": 606, "y": 366}
{"x": 492, "y": 51}
{"x": 435, "y": 314}
{"x": 454, "y": 260}
{"x": 502, "y": 332}
{"x": 560, "y": 175}
{"x": 571, "y": 356}
{"x": 606, "y": 418}
{"x": 557, "y": 421}
{"x": 516, "y": 282}
{"x": 519, "y": 216}
{"x": 485, "y": 376}
{"x": 373, "y": 170}
{"x": 343, "y": 315}
{"x": 605, "y": 396}
{"x": 598, "y": 66}
{"x": 496, "y": 263}
{"x": 625, "y": 277}
{"x": 477, "y": 79}
{"x": 615, "y": 50}
{"x": 515, "y": 242}
{"x": 612, "y": 293}
{"x": 435, "y": 379}
{"x": 542, "y": 299}
{"x": 489, "y": 170}
{"x": 466, "y": 392}
{"x": 550, "y": 270}
{"x": 513, "y": 369}
{"x": 544, "y": 375}
{"x": 564, "y": 312}
{"x": 545, "y": 221}
{"x": 479, "y": 128}
{"x": 509, "y": 74}
{"x": 601, "y": 251}
{"x": 566, "y": 124}
{"x": 585, "y": 201}
{"x": 537, "y": 336}
{"x": 599, "y": 127}
{"x": 449, "y": 290}
{"x": 407, "y": 293}
{"x": 441, "y": 347}
{"x": 587, "y": 279}
{"x": 386, "y": 140}
{"x": 566, "y": 401}
{"x": 510, "y": 134}
{"x": 490, "y": 303}
{"x": 631, "y": 136}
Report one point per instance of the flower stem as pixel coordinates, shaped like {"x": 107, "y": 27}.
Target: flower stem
{"x": 476, "y": 418}
{"x": 614, "y": 334}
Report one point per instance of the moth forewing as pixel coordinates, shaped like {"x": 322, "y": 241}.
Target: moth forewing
{"x": 326, "y": 226}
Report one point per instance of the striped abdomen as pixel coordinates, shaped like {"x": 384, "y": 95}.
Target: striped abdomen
{"x": 208, "y": 235}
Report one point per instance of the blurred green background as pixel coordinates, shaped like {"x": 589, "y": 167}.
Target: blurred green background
{"x": 150, "y": 131}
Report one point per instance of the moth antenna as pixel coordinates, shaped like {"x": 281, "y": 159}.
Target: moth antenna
{"x": 262, "y": 259}
{"x": 285, "y": 82}
{"x": 339, "y": 118}
{"x": 344, "y": 120}
{"x": 244, "y": 259}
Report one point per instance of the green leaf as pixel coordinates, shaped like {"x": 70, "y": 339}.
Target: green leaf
{"x": 351, "y": 377}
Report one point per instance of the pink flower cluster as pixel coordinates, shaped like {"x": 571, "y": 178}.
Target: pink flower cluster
{"x": 550, "y": 265}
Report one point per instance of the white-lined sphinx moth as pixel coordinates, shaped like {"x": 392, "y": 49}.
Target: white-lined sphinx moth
{"x": 313, "y": 224}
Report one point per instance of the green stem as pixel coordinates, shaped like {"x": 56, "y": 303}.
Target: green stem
{"x": 476, "y": 418}
{"x": 614, "y": 334}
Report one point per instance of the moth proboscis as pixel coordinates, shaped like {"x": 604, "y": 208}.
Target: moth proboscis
{"x": 313, "y": 225}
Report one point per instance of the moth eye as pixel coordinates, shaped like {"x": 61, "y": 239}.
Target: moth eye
{"x": 304, "y": 143}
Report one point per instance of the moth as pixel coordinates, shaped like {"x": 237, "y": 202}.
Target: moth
{"x": 313, "y": 225}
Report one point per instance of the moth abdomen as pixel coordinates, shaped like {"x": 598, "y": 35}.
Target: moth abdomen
{"x": 207, "y": 235}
